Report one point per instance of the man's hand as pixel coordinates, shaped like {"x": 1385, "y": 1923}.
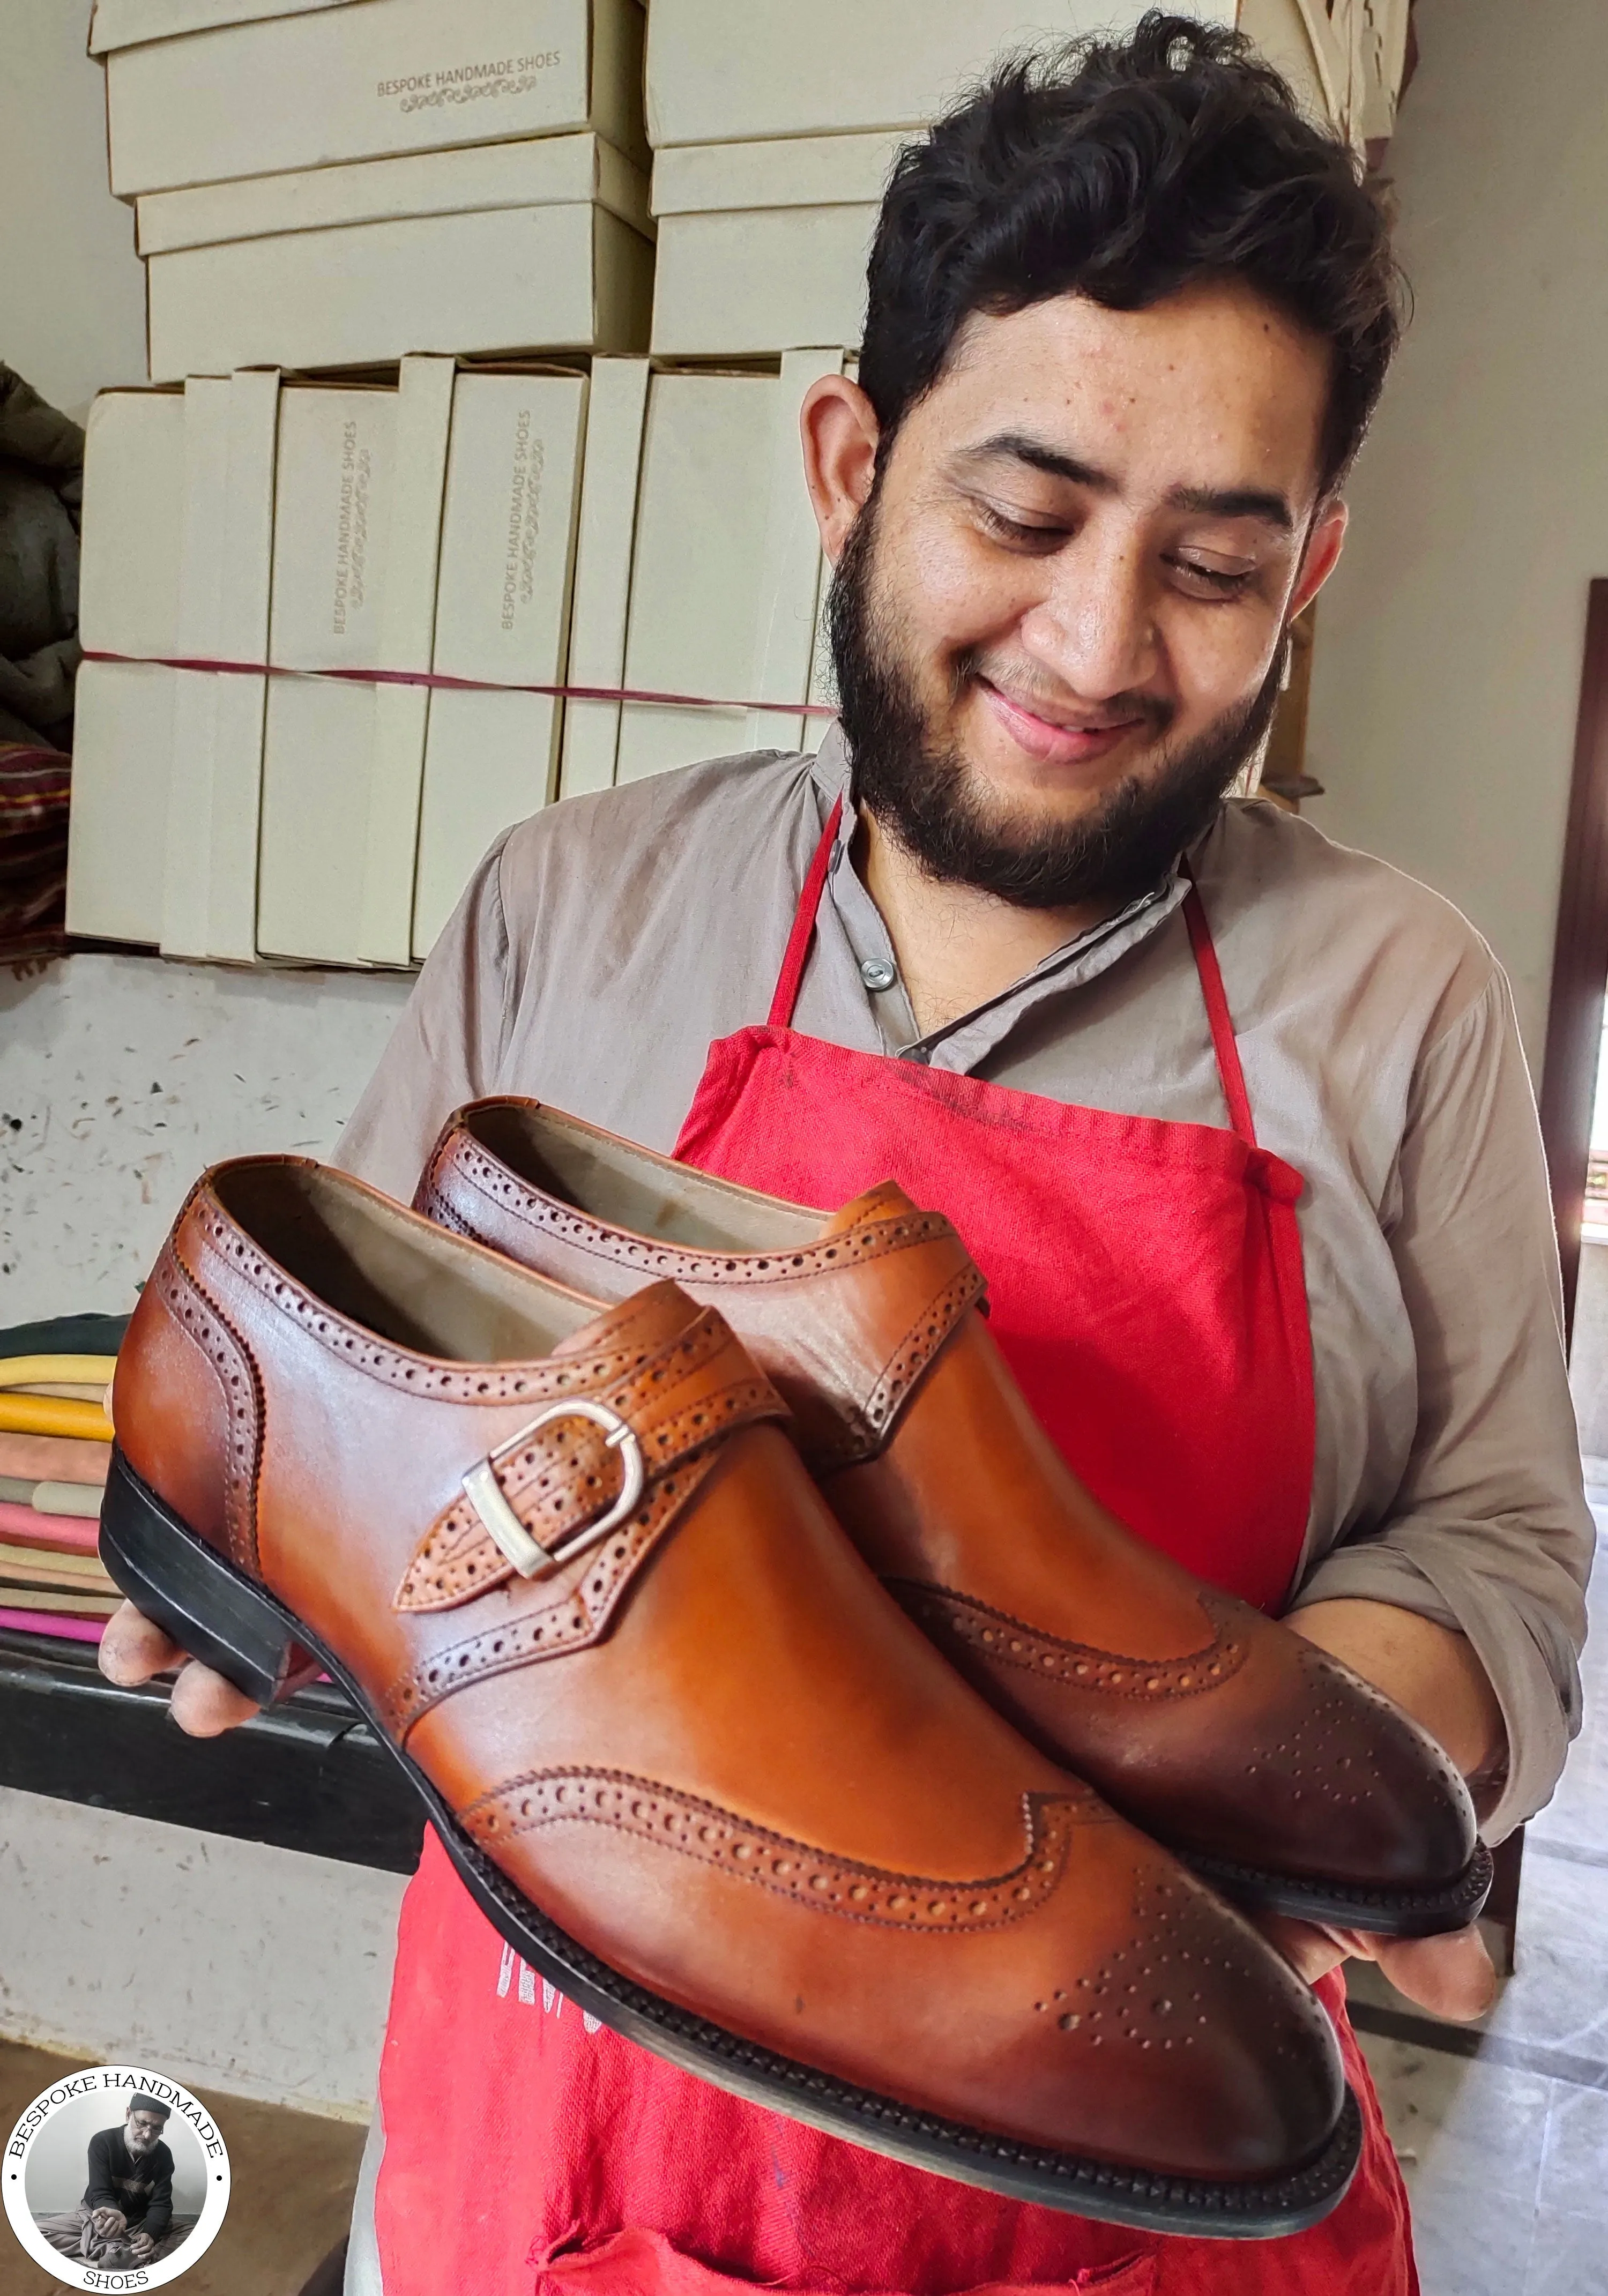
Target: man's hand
{"x": 1433, "y": 1675}
{"x": 108, "y": 2222}
{"x": 141, "y": 2244}
{"x": 1449, "y": 1976}
{"x": 132, "y": 1651}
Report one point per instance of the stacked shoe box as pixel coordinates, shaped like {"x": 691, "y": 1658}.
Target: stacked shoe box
{"x": 340, "y": 203}
{"x": 770, "y": 153}
{"x": 336, "y": 527}
{"x": 337, "y": 184}
{"x": 700, "y": 569}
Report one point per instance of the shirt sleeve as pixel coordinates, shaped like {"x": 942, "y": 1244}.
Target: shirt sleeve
{"x": 443, "y": 1050}
{"x": 159, "y": 2212}
{"x": 101, "y": 2193}
{"x": 1489, "y": 1530}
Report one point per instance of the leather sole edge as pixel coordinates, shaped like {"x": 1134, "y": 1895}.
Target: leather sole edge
{"x": 229, "y": 1623}
{"x": 1395, "y": 1913}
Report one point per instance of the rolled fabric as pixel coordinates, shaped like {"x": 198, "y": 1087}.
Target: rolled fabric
{"x": 54, "y": 1459}
{"x": 77, "y": 1391}
{"x": 36, "y": 1566}
{"x": 44, "y": 1598}
{"x": 52, "y": 1499}
{"x": 54, "y": 1414}
{"x": 58, "y": 1628}
{"x": 74, "y": 1370}
{"x": 82, "y": 1499}
{"x": 66, "y": 1534}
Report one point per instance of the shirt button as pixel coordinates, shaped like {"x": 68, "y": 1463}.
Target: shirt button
{"x": 876, "y": 973}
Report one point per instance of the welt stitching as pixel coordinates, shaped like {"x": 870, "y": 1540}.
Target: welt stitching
{"x": 951, "y": 1299}
{"x": 814, "y": 1878}
{"x": 539, "y": 1381}
{"x": 242, "y": 1400}
{"x": 535, "y": 1209}
{"x": 1010, "y": 1642}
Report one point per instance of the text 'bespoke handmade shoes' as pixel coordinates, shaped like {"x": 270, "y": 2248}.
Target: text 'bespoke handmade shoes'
{"x": 691, "y": 1759}
{"x": 1273, "y": 1768}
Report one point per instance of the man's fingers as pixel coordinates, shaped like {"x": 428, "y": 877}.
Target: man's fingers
{"x": 205, "y": 1705}
{"x": 1310, "y": 1951}
{"x": 1448, "y": 1976}
{"x": 132, "y": 1649}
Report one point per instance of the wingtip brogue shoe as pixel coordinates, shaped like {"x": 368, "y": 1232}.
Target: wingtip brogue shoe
{"x": 687, "y": 1754}
{"x": 1269, "y": 1765}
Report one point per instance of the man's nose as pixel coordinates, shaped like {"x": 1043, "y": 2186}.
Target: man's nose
{"x": 1095, "y": 625}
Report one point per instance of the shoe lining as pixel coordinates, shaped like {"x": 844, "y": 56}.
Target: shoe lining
{"x": 626, "y": 1186}
{"x": 399, "y": 1278}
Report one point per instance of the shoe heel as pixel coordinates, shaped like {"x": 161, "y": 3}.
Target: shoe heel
{"x": 183, "y": 1586}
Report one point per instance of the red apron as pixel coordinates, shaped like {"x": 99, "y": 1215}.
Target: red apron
{"x": 1145, "y": 1284}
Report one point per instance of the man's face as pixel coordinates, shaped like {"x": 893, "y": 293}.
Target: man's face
{"x": 1061, "y": 613}
{"x": 141, "y": 2131}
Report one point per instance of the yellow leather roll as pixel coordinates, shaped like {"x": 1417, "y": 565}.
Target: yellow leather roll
{"x": 78, "y": 1371}
{"x": 52, "y": 1414}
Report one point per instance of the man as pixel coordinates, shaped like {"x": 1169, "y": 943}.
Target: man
{"x": 126, "y": 2217}
{"x": 1128, "y": 317}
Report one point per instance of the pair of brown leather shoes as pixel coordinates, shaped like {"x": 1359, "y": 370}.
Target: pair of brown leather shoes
{"x": 693, "y": 1759}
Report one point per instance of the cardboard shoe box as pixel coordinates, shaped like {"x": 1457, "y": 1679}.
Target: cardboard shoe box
{"x": 563, "y": 277}
{"x": 726, "y": 568}
{"x": 762, "y": 247}
{"x": 537, "y": 171}
{"x": 121, "y": 23}
{"x": 356, "y": 529}
{"x": 319, "y": 85}
{"x": 133, "y": 548}
{"x": 208, "y": 883}
{"x": 725, "y": 71}
{"x": 617, "y": 405}
{"x": 502, "y": 620}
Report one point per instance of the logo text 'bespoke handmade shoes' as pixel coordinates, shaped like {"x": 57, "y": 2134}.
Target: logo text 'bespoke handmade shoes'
{"x": 691, "y": 1759}
{"x": 1279, "y": 1775}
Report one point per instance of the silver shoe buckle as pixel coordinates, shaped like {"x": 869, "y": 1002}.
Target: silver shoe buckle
{"x": 526, "y": 1554}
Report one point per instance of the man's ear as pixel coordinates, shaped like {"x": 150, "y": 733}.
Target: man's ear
{"x": 1321, "y": 555}
{"x": 839, "y": 429}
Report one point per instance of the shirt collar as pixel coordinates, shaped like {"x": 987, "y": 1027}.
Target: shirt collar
{"x": 962, "y": 1042}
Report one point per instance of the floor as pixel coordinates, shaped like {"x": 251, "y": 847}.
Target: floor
{"x": 293, "y": 2177}
{"x": 1502, "y": 2131}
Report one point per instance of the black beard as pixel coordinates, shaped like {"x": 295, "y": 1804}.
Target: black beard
{"x": 927, "y": 800}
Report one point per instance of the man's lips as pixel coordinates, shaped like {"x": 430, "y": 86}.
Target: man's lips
{"x": 1054, "y": 744}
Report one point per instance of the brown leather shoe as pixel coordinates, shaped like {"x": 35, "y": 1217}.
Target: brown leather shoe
{"x": 693, "y": 1762}
{"x": 1280, "y": 1775}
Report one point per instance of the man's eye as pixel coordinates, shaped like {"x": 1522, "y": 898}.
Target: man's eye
{"x": 1017, "y": 532}
{"x": 1213, "y": 581}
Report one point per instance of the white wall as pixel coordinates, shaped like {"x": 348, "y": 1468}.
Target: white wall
{"x": 226, "y": 1965}
{"x": 72, "y": 312}
{"x": 1447, "y": 668}
{"x": 121, "y": 1077}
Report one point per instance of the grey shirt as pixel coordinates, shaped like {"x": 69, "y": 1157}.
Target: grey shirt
{"x": 605, "y": 943}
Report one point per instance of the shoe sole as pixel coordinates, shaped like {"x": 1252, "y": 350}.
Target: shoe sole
{"x": 237, "y": 1628}
{"x": 1386, "y": 1913}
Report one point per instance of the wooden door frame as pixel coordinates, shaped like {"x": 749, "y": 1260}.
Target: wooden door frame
{"x": 1579, "y": 961}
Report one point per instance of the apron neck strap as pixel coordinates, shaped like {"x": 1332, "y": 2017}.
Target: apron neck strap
{"x": 804, "y": 925}
{"x": 1230, "y": 1074}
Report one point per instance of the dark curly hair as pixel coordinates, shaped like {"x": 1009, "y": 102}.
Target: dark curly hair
{"x": 1125, "y": 170}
